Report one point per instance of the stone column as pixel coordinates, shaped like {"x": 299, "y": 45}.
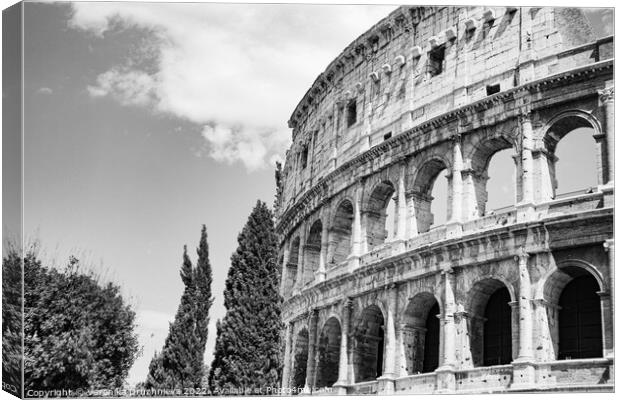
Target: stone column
{"x": 470, "y": 203}
{"x": 312, "y": 339}
{"x": 299, "y": 281}
{"x": 544, "y": 166}
{"x": 609, "y": 248}
{"x": 525, "y": 208}
{"x": 364, "y": 226}
{"x": 456, "y": 190}
{"x": 446, "y": 381}
{"x": 286, "y": 371}
{"x": 284, "y": 278}
{"x": 343, "y": 362}
{"x": 525, "y": 308}
{"x": 527, "y": 171}
{"x": 464, "y": 357}
{"x": 606, "y": 324}
{"x": 524, "y": 372}
{"x": 607, "y": 304}
{"x": 320, "y": 274}
{"x": 356, "y": 239}
{"x": 401, "y": 224}
{"x": 547, "y": 335}
{"x": 389, "y": 374}
{"x": 606, "y": 97}
{"x": 412, "y": 218}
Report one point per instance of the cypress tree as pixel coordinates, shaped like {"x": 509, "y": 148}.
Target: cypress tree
{"x": 181, "y": 362}
{"x": 204, "y": 278}
{"x": 247, "y": 349}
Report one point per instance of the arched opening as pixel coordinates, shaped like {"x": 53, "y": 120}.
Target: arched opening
{"x": 421, "y": 334}
{"x": 575, "y": 162}
{"x": 340, "y": 233}
{"x": 368, "y": 345}
{"x": 491, "y": 183}
{"x": 575, "y": 169}
{"x": 580, "y": 320}
{"x": 500, "y": 186}
{"x": 312, "y": 251}
{"x": 498, "y": 329}
{"x": 291, "y": 266}
{"x": 328, "y": 354}
{"x": 377, "y": 227}
{"x": 431, "y": 195}
{"x": 300, "y": 359}
{"x": 575, "y": 328}
{"x": 491, "y": 323}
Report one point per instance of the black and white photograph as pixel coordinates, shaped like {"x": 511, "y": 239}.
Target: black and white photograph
{"x": 307, "y": 199}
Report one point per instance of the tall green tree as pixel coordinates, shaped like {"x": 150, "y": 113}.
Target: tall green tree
{"x": 78, "y": 332}
{"x": 181, "y": 361}
{"x": 12, "y": 353}
{"x": 247, "y": 349}
{"x": 204, "y": 278}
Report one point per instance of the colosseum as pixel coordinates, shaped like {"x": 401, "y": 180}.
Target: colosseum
{"x": 381, "y": 295}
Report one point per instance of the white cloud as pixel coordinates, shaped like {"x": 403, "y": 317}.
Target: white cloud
{"x": 250, "y": 145}
{"x": 237, "y": 69}
{"x": 129, "y": 87}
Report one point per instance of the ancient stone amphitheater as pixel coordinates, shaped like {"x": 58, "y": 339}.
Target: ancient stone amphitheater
{"x": 385, "y": 300}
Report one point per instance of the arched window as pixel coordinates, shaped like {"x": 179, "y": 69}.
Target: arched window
{"x": 491, "y": 183}
{"x": 328, "y": 354}
{"x": 378, "y": 226}
{"x": 501, "y": 181}
{"x": 498, "y": 329}
{"x": 575, "y": 168}
{"x": 312, "y": 251}
{"x": 340, "y": 233}
{"x": 300, "y": 359}
{"x": 574, "y": 323}
{"x": 421, "y": 334}
{"x": 368, "y": 345}
{"x": 574, "y": 161}
{"x": 431, "y": 195}
{"x": 580, "y": 320}
{"x": 439, "y": 200}
{"x": 490, "y": 327}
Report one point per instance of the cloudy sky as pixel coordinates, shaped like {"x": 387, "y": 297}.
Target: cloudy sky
{"x": 146, "y": 120}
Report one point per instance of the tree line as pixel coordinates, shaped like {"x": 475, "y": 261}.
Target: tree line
{"x": 79, "y": 333}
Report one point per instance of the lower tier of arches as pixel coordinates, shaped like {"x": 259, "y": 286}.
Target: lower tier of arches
{"x": 460, "y": 331}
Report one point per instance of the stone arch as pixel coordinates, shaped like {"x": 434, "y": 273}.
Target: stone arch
{"x": 328, "y": 353}
{"x": 569, "y": 311}
{"x": 312, "y": 251}
{"x": 490, "y": 321}
{"x": 292, "y": 265}
{"x": 424, "y": 179}
{"x": 368, "y": 343}
{"x": 552, "y": 133}
{"x": 545, "y": 286}
{"x": 341, "y": 232}
{"x": 375, "y": 213}
{"x": 421, "y": 333}
{"x": 476, "y": 177}
{"x": 566, "y": 121}
{"x": 300, "y": 359}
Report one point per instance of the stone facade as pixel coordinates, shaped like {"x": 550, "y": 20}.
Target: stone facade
{"x": 486, "y": 301}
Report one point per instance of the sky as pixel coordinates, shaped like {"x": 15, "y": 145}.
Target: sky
{"x": 146, "y": 120}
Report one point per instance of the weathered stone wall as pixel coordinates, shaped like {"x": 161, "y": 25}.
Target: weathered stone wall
{"x": 378, "y": 126}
